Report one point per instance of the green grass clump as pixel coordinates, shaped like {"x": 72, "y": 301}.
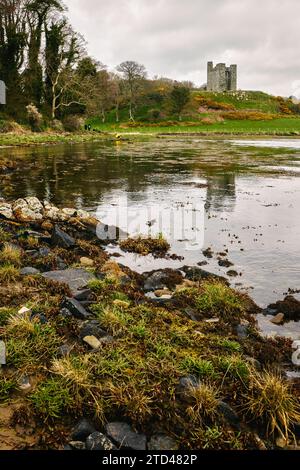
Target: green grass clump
{"x": 234, "y": 366}
{"x": 213, "y": 299}
{"x": 115, "y": 320}
{"x": 271, "y": 400}
{"x": 102, "y": 285}
{"x": 5, "y": 314}
{"x": 4, "y": 236}
{"x": 6, "y": 387}
{"x": 9, "y": 273}
{"x": 218, "y": 299}
{"x": 10, "y": 255}
{"x": 198, "y": 366}
{"x": 30, "y": 345}
{"x": 52, "y": 399}
{"x": 231, "y": 345}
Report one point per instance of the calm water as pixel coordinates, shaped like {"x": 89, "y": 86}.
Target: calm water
{"x": 241, "y": 196}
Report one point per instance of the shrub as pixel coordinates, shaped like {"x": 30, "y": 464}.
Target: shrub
{"x": 249, "y": 115}
{"x": 57, "y": 125}
{"x": 211, "y": 104}
{"x": 34, "y": 117}
{"x": 73, "y": 123}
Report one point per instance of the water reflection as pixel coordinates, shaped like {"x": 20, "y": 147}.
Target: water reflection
{"x": 251, "y": 197}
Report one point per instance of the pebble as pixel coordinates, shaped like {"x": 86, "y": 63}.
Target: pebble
{"x": 2, "y": 353}
{"x": 86, "y": 262}
{"x": 278, "y": 319}
{"x": 24, "y": 310}
{"x": 29, "y": 271}
{"x": 92, "y": 341}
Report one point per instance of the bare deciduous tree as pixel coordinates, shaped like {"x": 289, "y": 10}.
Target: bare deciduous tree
{"x": 133, "y": 74}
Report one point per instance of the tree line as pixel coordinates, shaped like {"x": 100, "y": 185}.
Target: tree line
{"x": 46, "y": 68}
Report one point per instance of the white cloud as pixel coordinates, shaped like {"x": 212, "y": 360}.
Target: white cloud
{"x": 176, "y": 38}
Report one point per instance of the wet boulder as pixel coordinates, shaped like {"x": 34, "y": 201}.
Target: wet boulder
{"x": 197, "y": 274}
{"x": 162, "y": 279}
{"x": 62, "y": 239}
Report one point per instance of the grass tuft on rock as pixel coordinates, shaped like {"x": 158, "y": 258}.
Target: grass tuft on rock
{"x": 213, "y": 299}
{"x": 144, "y": 246}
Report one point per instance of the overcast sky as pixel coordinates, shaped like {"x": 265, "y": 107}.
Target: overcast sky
{"x": 176, "y": 38}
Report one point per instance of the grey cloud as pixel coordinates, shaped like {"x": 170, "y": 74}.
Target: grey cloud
{"x": 175, "y": 38}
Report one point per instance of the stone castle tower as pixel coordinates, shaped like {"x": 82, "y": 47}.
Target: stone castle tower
{"x": 221, "y": 78}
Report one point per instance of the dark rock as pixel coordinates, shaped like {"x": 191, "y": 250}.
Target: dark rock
{"x": 92, "y": 328}
{"x": 64, "y": 312}
{"x": 98, "y": 441}
{"x": 44, "y": 251}
{"x": 82, "y": 430}
{"x": 29, "y": 271}
{"x": 232, "y": 273}
{"x": 290, "y": 307}
{"x": 164, "y": 278}
{"x": 76, "y": 279}
{"x": 242, "y": 331}
{"x": 61, "y": 238}
{"x": 225, "y": 263}
{"x": 68, "y": 447}
{"x": 40, "y": 317}
{"x": 85, "y": 294}
{"x": 77, "y": 445}
{"x": 33, "y": 253}
{"x": 229, "y": 414}
{"x": 208, "y": 253}
{"x": 61, "y": 265}
{"x": 202, "y": 263}
{"x": 197, "y": 274}
{"x": 191, "y": 313}
{"x": 64, "y": 350}
{"x": 76, "y": 309}
{"x": 124, "y": 436}
{"x": 184, "y": 385}
{"x": 162, "y": 442}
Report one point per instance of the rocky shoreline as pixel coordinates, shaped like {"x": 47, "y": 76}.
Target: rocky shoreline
{"x": 95, "y": 356}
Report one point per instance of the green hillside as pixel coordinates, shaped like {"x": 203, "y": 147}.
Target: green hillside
{"x": 231, "y": 112}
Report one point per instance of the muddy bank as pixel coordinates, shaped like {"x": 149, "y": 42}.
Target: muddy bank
{"x": 96, "y": 356}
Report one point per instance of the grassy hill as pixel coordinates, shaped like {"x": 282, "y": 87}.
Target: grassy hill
{"x": 250, "y": 112}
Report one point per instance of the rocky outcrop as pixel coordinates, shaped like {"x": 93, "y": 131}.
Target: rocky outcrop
{"x": 31, "y": 209}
